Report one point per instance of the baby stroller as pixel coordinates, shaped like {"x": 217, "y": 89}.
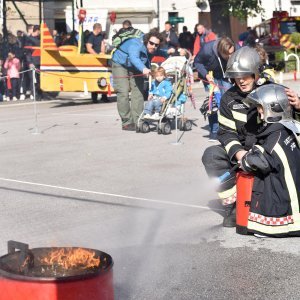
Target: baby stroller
{"x": 178, "y": 71}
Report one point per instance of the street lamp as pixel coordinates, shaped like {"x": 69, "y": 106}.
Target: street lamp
{"x": 158, "y": 12}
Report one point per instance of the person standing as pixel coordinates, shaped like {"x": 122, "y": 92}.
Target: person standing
{"x": 95, "y": 42}
{"x": 213, "y": 57}
{"x": 203, "y": 36}
{"x": 170, "y": 36}
{"x": 13, "y": 66}
{"x": 25, "y": 83}
{"x": 243, "y": 36}
{"x": 186, "y": 39}
{"x": 126, "y": 24}
{"x": 32, "y": 61}
{"x": 95, "y": 45}
{"x": 131, "y": 62}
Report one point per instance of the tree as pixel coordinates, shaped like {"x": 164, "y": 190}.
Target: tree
{"x": 220, "y": 10}
{"x": 238, "y": 8}
{"x": 295, "y": 39}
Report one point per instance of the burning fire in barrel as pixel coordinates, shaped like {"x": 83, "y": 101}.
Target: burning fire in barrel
{"x": 64, "y": 273}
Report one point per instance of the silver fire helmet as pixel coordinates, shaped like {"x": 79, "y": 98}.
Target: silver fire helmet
{"x": 243, "y": 62}
{"x": 275, "y": 103}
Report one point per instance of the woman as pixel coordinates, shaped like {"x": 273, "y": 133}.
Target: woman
{"x": 213, "y": 56}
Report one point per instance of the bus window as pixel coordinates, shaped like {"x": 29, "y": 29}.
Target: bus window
{"x": 267, "y": 29}
{"x": 288, "y": 27}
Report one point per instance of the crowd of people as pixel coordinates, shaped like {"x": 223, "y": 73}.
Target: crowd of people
{"x": 16, "y": 59}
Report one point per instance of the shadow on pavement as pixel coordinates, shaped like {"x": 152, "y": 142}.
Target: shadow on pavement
{"x": 216, "y": 206}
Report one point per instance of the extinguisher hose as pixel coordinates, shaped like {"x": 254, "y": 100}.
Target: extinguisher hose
{"x": 227, "y": 174}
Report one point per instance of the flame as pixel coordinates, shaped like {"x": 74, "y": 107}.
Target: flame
{"x": 72, "y": 258}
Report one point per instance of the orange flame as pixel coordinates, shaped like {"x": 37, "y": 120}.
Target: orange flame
{"x": 72, "y": 258}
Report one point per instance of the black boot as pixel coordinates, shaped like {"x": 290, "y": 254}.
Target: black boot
{"x": 229, "y": 218}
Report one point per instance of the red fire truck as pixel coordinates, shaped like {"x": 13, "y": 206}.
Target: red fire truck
{"x": 275, "y": 33}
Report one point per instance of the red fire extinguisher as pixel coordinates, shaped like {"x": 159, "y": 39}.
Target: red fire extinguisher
{"x": 244, "y": 185}
{"x": 61, "y": 84}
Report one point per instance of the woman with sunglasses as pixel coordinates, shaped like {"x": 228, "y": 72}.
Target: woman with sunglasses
{"x": 131, "y": 63}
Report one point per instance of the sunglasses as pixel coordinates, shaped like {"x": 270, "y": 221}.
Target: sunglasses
{"x": 153, "y": 44}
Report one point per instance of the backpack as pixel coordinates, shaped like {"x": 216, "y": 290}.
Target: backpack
{"x": 124, "y": 34}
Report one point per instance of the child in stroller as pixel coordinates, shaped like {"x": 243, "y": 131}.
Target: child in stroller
{"x": 161, "y": 90}
{"x": 178, "y": 71}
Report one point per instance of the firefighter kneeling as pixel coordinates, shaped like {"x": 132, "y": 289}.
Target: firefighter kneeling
{"x": 274, "y": 163}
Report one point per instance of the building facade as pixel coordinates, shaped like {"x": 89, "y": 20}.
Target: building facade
{"x": 144, "y": 14}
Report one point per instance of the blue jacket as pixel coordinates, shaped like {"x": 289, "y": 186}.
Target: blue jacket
{"x": 161, "y": 89}
{"x": 132, "y": 53}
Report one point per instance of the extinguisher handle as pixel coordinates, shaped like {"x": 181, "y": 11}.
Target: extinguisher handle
{"x": 13, "y": 245}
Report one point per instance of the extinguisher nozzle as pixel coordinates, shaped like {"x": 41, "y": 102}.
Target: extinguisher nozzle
{"x": 227, "y": 174}
{"x": 223, "y": 177}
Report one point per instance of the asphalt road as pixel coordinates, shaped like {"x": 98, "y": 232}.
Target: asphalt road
{"x": 70, "y": 176}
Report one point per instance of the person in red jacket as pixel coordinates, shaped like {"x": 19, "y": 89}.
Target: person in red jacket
{"x": 203, "y": 36}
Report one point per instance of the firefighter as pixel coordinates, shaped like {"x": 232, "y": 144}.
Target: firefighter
{"x": 238, "y": 125}
{"x": 274, "y": 162}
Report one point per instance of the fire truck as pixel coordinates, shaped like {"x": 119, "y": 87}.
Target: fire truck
{"x": 275, "y": 33}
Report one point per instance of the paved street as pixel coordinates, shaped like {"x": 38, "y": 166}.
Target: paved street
{"x": 69, "y": 176}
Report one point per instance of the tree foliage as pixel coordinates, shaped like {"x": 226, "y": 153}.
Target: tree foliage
{"x": 239, "y": 8}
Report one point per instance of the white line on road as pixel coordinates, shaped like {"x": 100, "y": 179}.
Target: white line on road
{"x": 109, "y": 194}
{"x": 90, "y": 115}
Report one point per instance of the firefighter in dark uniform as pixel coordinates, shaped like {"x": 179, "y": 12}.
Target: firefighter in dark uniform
{"x": 274, "y": 161}
{"x": 238, "y": 126}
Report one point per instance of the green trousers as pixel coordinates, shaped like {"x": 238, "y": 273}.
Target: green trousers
{"x": 124, "y": 83}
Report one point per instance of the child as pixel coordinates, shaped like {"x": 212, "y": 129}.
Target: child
{"x": 161, "y": 90}
{"x": 186, "y": 55}
{"x": 12, "y": 66}
{"x": 274, "y": 162}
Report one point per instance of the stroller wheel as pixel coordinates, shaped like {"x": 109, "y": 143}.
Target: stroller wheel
{"x": 145, "y": 128}
{"x": 180, "y": 124}
{"x": 187, "y": 125}
{"x": 166, "y": 128}
{"x": 137, "y": 128}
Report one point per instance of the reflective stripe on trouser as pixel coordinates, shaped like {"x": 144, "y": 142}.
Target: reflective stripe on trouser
{"x": 216, "y": 163}
{"x": 229, "y": 200}
{"x": 123, "y": 84}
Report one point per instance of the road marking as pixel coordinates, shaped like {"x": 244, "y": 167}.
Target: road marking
{"x": 109, "y": 194}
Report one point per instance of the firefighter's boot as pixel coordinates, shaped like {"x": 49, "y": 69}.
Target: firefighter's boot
{"x": 230, "y": 217}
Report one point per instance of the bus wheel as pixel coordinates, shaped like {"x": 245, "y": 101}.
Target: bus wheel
{"x": 94, "y": 97}
{"x": 104, "y": 98}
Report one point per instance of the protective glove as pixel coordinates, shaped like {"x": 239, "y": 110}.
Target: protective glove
{"x": 254, "y": 161}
